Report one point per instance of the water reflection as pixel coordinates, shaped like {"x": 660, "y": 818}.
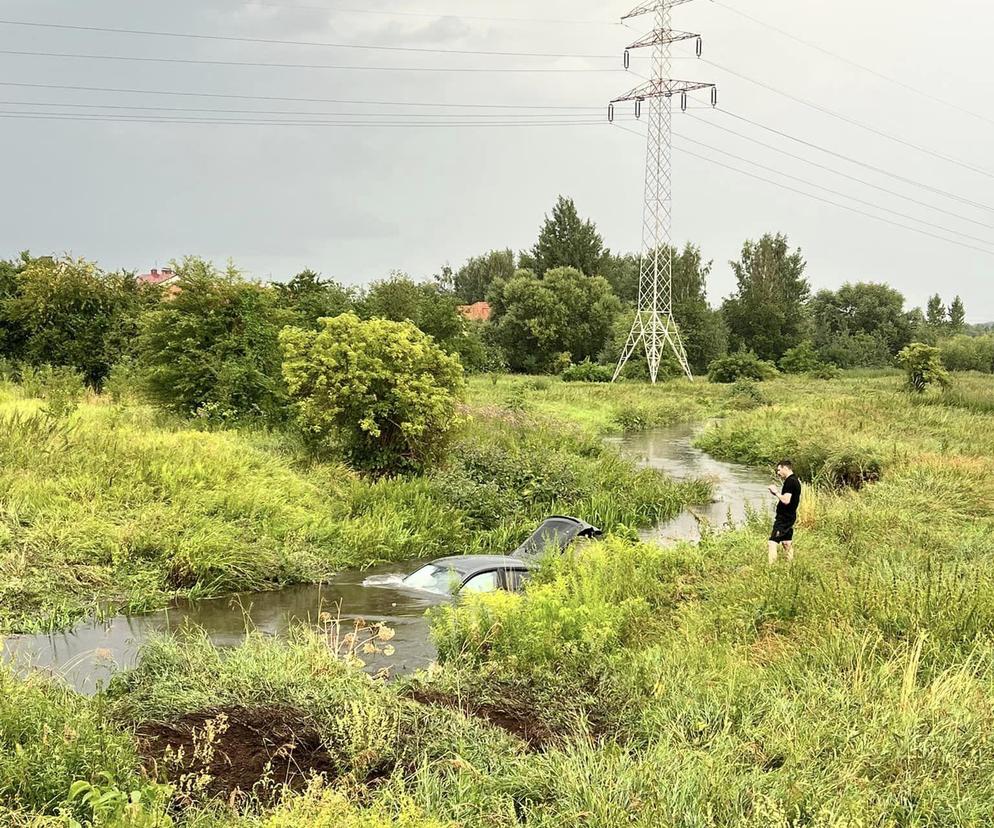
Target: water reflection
{"x": 89, "y": 654}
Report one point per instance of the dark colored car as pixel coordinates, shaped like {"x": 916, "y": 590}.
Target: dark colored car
{"x": 488, "y": 573}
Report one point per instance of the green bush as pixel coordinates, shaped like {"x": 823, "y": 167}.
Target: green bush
{"x": 801, "y": 360}
{"x": 745, "y": 393}
{"x": 212, "y": 350}
{"x": 923, "y": 367}
{"x": 968, "y": 353}
{"x": 588, "y": 371}
{"x": 382, "y": 391}
{"x": 67, "y": 312}
{"x": 746, "y": 364}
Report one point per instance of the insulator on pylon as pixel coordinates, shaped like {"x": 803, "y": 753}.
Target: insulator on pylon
{"x": 700, "y": 47}
{"x": 628, "y": 58}
{"x": 638, "y": 108}
{"x": 610, "y": 113}
{"x": 683, "y": 101}
{"x": 714, "y": 96}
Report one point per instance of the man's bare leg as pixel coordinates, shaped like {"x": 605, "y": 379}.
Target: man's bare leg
{"x": 788, "y": 548}
{"x": 773, "y": 552}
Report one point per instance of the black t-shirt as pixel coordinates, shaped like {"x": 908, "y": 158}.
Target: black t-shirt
{"x": 788, "y": 511}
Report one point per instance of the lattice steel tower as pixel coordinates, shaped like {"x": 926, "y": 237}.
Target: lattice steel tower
{"x": 655, "y": 329}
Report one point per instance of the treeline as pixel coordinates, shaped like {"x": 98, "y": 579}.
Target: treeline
{"x": 213, "y": 345}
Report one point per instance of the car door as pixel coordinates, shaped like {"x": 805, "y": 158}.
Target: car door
{"x": 486, "y": 581}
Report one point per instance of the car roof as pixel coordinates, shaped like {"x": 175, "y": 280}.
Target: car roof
{"x": 471, "y": 564}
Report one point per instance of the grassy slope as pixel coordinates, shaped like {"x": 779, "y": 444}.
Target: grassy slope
{"x": 852, "y": 689}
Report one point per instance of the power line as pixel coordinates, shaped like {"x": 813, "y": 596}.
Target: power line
{"x": 851, "y": 62}
{"x": 150, "y": 119}
{"x": 275, "y": 42}
{"x": 558, "y": 114}
{"x": 834, "y": 171}
{"x": 823, "y": 200}
{"x": 286, "y": 99}
{"x": 837, "y": 192}
{"x": 201, "y": 62}
{"x": 853, "y": 122}
{"x": 850, "y": 159}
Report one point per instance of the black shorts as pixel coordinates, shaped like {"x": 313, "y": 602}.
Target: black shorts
{"x": 783, "y": 530}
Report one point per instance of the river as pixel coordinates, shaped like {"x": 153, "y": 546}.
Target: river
{"x": 86, "y": 656}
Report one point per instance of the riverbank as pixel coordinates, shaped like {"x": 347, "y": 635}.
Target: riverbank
{"x": 632, "y": 684}
{"x": 120, "y": 509}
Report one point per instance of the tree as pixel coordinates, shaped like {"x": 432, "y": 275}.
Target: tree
{"x": 566, "y": 240}
{"x": 848, "y": 322}
{"x": 474, "y": 278}
{"x": 935, "y": 313}
{"x": 213, "y": 350}
{"x": 381, "y": 390}
{"x": 67, "y": 312}
{"x": 957, "y": 316}
{"x": 767, "y": 312}
{"x": 536, "y": 321}
{"x": 312, "y": 298}
{"x": 923, "y": 366}
{"x": 396, "y": 298}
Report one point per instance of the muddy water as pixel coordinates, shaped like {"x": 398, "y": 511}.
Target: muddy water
{"x": 89, "y": 654}
{"x": 737, "y": 489}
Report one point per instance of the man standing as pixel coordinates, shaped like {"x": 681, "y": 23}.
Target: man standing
{"x": 788, "y": 499}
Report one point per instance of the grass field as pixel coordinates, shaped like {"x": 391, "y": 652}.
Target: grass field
{"x": 630, "y": 684}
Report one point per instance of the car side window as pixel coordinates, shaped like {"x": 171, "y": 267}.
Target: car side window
{"x": 484, "y": 582}
{"x": 516, "y": 578}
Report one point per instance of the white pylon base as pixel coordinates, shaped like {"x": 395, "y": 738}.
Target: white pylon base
{"x": 655, "y": 333}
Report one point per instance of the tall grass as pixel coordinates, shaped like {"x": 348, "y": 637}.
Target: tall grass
{"x": 122, "y": 509}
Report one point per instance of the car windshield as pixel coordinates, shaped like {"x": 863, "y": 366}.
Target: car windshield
{"x": 434, "y": 579}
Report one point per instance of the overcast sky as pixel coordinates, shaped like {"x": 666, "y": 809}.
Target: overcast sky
{"x": 356, "y": 202}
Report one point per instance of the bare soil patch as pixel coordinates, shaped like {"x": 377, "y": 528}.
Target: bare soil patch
{"x": 521, "y": 723}
{"x": 230, "y": 752}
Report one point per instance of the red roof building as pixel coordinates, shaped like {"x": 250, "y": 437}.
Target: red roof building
{"x": 158, "y": 277}
{"x": 478, "y": 312}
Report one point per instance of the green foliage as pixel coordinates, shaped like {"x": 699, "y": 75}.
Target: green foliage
{"x": 62, "y": 389}
{"x": 923, "y": 367}
{"x": 588, "y": 371}
{"x": 767, "y": 312}
{"x": 51, "y": 738}
{"x": 382, "y": 391}
{"x": 746, "y": 393}
{"x": 936, "y": 316}
{"x": 802, "y": 359}
{"x": 957, "y": 316}
{"x": 67, "y": 312}
{"x": 310, "y": 298}
{"x": 536, "y": 321}
{"x": 472, "y": 281}
{"x": 743, "y": 364}
{"x": 968, "y": 353}
{"x": 567, "y": 241}
{"x": 860, "y": 325}
{"x": 212, "y": 350}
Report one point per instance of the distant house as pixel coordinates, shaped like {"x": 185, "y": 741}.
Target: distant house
{"x": 477, "y": 312}
{"x": 165, "y": 278}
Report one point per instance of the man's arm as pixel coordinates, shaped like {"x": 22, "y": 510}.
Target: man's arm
{"x": 783, "y": 498}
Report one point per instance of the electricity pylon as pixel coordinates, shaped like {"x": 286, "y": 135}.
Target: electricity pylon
{"x": 654, "y": 328}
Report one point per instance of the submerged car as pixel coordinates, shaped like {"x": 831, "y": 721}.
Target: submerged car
{"x": 489, "y": 573}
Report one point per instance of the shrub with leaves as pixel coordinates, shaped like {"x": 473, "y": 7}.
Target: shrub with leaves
{"x": 588, "y": 371}
{"x": 382, "y": 391}
{"x": 802, "y": 359}
{"x": 213, "y": 349}
{"x": 738, "y": 365}
{"x": 923, "y": 366}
